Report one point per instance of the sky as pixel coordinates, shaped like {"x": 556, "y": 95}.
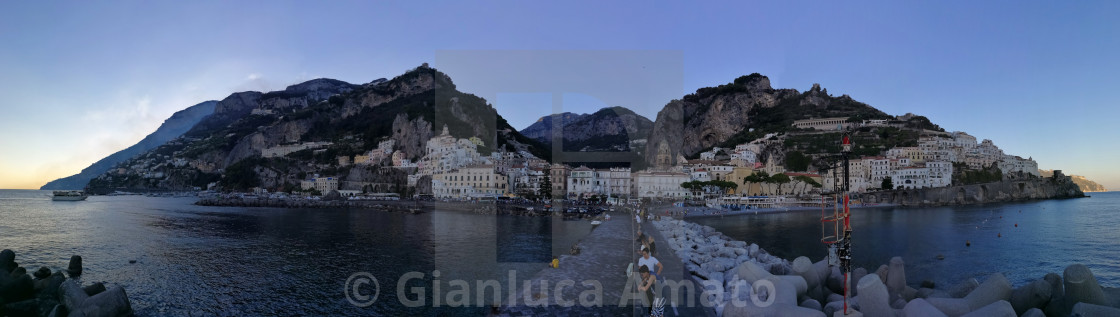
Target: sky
{"x": 80, "y": 80}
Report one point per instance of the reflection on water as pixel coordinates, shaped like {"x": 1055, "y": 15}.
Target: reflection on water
{"x": 1022, "y": 240}
{"x": 264, "y": 261}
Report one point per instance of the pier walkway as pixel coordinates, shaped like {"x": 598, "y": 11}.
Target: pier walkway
{"x": 605, "y": 254}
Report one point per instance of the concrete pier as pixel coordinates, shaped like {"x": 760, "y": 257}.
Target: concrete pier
{"x": 600, "y": 268}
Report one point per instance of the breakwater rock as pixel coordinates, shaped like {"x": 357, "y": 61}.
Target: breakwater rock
{"x": 746, "y": 273}
{"x": 1006, "y": 191}
{"x": 46, "y": 293}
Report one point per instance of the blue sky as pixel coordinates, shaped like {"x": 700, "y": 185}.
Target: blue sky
{"x": 81, "y": 80}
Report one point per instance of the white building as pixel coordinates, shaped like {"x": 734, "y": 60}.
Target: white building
{"x": 1016, "y": 164}
{"x": 660, "y": 184}
{"x": 469, "y": 182}
{"x": 940, "y": 174}
{"x": 838, "y": 123}
{"x": 322, "y": 184}
{"x": 910, "y": 177}
{"x": 582, "y": 182}
{"x": 282, "y": 150}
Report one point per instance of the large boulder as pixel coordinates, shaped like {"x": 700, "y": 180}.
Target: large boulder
{"x": 1033, "y": 312}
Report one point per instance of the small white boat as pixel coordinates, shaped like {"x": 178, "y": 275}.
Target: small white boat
{"x": 596, "y": 222}
{"x": 69, "y": 195}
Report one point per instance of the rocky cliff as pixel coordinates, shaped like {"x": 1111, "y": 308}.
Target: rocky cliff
{"x": 179, "y": 123}
{"x": 226, "y": 147}
{"x": 1052, "y": 187}
{"x": 1082, "y": 182}
{"x": 741, "y": 111}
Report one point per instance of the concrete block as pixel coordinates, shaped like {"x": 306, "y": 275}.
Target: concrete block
{"x": 896, "y": 276}
{"x": 803, "y": 267}
{"x": 1081, "y": 286}
{"x": 952, "y": 307}
{"x": 873, "y": 297}
{"x": 921, "y": 308}
{"x": 1086, "y": 309}
{"x": 811, "y": 304}
{"x": 798, "y": 283}
{"x": 995, "y": 288}
{"x": 1033, "y": 295}
{"x": 1033, "y": 312}
{"x": 111, "y": 302}
{"x": 997, "y": 309}
{"x": 71, "y": 295}
{"x": 751, "y": 272}
{"x": 882, "y": 272}
{"x": 963, "y": 288}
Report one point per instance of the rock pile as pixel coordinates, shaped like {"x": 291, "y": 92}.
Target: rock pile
{"x": 801, "y": 286}
{"x": 46, "y": 293}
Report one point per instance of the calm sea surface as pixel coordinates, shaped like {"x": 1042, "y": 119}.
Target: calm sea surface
{"x": 195, "y": 260}
{"x": 1051, "y": 235}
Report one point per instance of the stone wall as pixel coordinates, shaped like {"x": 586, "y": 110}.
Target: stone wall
{"x": 1005, "y": 191}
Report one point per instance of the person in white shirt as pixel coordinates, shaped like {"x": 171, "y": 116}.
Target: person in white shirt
{"x": 650, "y": 262}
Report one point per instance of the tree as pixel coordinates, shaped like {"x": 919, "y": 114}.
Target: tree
{"x": 780, "y": 179}
{"x": 545, "y": 190}
{"x": 806, "y": 180}
{"x": 756, "y": 177}
{"x": 693, "y": 186}
{"x": 797, "y": 161}
{"x": 887, "y": 183}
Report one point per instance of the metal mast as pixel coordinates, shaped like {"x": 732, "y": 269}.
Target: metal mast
{"x": 837, "y": 227}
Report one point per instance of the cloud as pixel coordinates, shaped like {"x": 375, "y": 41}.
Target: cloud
{"x": 253, "y": 76}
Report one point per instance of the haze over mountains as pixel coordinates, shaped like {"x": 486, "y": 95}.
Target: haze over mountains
{"x": 222, "y": 142}
{"x": 612, "y": 129}
{"x": 179, "y": 122}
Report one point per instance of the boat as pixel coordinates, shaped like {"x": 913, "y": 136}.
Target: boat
{"x": 596, "y": 222}
{"x": 69, "y": 195}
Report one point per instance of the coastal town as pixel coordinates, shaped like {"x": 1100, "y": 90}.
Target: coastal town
{"x": 453, "y": 168}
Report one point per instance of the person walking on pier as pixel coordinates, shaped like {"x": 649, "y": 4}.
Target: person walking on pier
{"x": 650, "y": 261}
{"x": 647, "y": 286}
